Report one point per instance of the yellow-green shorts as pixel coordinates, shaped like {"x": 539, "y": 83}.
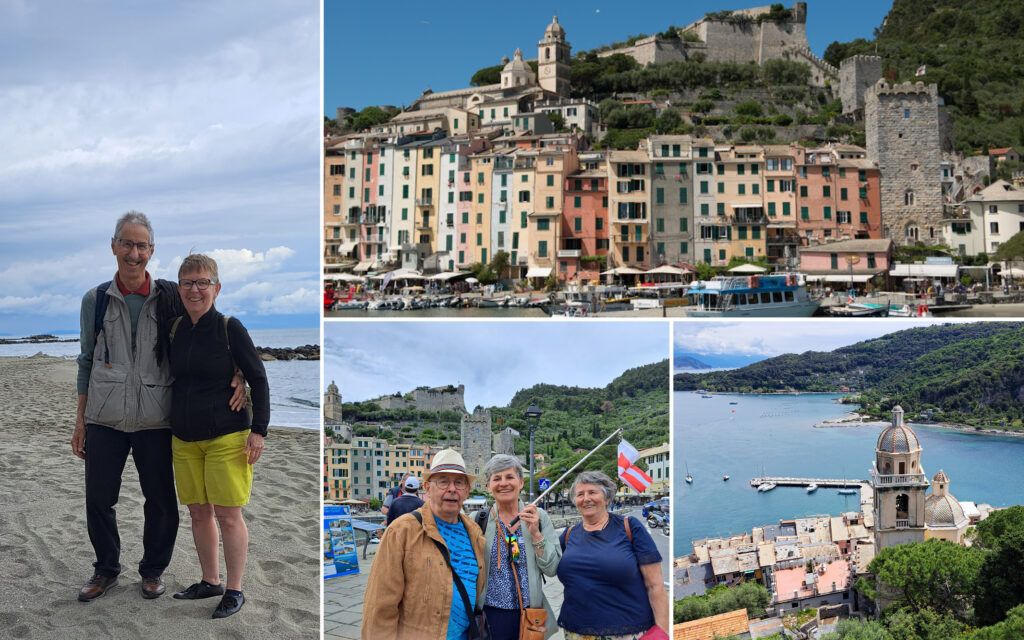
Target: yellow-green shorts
{"x": 215, "y": 471}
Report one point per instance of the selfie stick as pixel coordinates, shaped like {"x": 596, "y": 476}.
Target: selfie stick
{"x": 564, "y": 475}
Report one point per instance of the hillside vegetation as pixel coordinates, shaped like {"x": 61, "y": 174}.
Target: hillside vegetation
{"x": 574, "y": 419}
{"x": 972, "y": 50}
{"x": 966, "y": 373}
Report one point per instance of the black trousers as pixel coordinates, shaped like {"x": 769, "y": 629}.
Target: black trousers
{"x": 106, "y": 451}
{"x": 504, "y": 623}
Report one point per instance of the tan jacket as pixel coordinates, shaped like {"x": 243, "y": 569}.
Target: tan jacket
{"x": 409, "y": 592}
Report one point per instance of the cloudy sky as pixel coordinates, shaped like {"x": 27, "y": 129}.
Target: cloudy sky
{"x": 493, "y": 359}
{"x": 738, "y": 343}
{"x": 205, "y": 115}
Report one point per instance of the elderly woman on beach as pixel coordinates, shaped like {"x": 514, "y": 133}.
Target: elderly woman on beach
{"x": 610, "y": 569}
{"x": 214, "y": 447}
{"x": 516, "y": 556}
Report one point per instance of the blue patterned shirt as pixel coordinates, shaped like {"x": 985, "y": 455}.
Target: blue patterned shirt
{"x": 465, "y": 564}
{"x": 501, "y": 590}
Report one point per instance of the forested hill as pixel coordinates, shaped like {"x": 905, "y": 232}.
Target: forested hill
{"x": 970, "y": 373}
{"x": 974, "y": 52}
{"x": 579, "y": 417}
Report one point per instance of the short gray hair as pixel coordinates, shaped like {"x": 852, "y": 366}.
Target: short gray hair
{"x": 501, "y": 462}
{"x": 598, "y": 479}
{"x": 198, "y": 262}
{"x": 133, "y": 217}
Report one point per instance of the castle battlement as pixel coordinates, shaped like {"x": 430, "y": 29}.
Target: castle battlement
{"x": 883, "y": 88}
{"x": 860, "y": 57}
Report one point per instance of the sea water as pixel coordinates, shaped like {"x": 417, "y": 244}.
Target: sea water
{"x": 775, "y": 435}
{"x": 294, "y": 384}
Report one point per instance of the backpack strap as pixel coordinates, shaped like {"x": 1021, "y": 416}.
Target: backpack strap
{"x": 102, "y": 300}
{"x": 481, "y": 518}
{"x": 227, "y": 338}
{"x": 629, "y": 532}
{"x": 174, "y": 327}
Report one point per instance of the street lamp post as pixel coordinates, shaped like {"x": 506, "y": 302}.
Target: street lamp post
{"x": 532, "y": 417}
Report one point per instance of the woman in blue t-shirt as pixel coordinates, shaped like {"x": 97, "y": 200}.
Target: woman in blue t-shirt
{"x": 610, "y": 569}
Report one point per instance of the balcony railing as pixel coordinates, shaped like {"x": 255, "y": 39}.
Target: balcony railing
{"x": 895, "y": 480}
{"x": 569, "y": 253}
{"x": 424, "y": 202}
{"x": 903, "y": 523}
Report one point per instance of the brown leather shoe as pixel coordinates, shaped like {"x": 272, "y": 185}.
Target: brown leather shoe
{"x": 152, "y": 588}
{"x": 96, "y": 587}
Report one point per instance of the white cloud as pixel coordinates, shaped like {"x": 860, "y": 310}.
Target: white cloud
{"x": 775, "y": 337}
{"x": 42, "y": 304}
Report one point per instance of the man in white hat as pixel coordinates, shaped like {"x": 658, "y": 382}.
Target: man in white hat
{"x": 412, "y": 592}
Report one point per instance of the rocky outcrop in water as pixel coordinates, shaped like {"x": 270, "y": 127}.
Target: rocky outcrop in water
{"x": 36, "y": 339}
{"x": 305, "y": 352}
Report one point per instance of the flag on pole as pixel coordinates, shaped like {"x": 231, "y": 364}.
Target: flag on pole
{"x": 920, "y": 71}
{"x": 387, "y": 280}
{"x": 631, "y": 474}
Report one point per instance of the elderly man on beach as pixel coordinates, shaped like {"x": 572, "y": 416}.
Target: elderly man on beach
{"x": 424, "y": 558}
{"x": 124, "y": 405}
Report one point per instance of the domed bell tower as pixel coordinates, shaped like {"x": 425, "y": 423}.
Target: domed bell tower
{"x": 553, "y": 60}
{"x": 899, "y": 485}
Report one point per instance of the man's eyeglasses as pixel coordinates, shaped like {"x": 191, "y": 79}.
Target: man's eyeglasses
{"x": 127, "y": 245}
{"x": 202, "y": 285}
{"x": 444, "y": 483}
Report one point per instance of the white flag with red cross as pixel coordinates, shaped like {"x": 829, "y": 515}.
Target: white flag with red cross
{"x": 631, "y": 474}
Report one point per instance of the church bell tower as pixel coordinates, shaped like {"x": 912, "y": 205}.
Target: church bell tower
{"x": 553, "y": 60}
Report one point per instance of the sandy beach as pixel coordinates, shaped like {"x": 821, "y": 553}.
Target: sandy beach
{"x": 45, "y": 555}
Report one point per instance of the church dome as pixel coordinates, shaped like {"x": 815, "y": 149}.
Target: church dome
{"x": 332, "y": 388}
{"x": 943, "y": 511}
{"x": 898, "y": 439}
{"x": 517, "y": 63}
{"x": 554, "y": 30}
{"x": 941, "y": 477}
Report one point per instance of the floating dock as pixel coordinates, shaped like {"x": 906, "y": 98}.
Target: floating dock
{"x": 838, "y": 483}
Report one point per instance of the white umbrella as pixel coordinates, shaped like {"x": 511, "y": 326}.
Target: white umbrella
{"x": 747, "y": 268}
{"x": 472, "y": 280}
{"x": 1013, "y": 273}
{"x": 669, "y": 269}
{"x": 622, "y": 271}
{"x": 345, "y": 277}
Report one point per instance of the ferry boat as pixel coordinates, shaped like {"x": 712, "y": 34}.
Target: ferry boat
{"x": 779, "y": 295}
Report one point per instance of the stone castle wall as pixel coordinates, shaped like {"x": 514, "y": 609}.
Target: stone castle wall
{"x": 724, "y": 41}
{"x": 902, "y": 125}
{"x": 436, "y": 399}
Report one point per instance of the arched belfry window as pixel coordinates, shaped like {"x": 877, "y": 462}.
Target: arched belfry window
{"x": 902, "y": 506}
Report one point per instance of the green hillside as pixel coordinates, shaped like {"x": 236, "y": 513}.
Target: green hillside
{"x": 574, "y": 419}
{"x": 974, "y": 52}
{"x": 971, "y": 373}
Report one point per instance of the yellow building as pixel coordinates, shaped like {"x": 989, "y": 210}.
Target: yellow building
{"x": 739, "y": 199}
{"x": 475, "y": 224}
{"x": 659, "y": 468}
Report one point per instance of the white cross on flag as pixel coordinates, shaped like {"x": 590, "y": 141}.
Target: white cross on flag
{"x": 631, "y": 474}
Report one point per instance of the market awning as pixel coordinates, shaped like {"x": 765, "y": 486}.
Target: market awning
{"x": 924, "y": 270}
{"x": 364, "y": 265}
{"x": 347, "y": 246}
{"x": 538, "y": 272}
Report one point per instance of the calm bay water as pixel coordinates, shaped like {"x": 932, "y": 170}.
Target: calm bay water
{"x": 713, "y": 438}
{"x": 294, "y": 384}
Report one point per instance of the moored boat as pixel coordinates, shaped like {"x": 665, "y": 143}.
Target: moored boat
{"x": 811, "y": 488}
{"x": 782, "y": 295}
